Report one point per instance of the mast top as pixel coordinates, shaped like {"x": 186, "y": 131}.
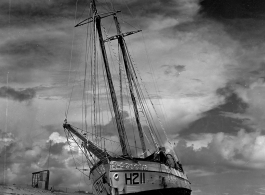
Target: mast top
{"x": 94, "y": 8}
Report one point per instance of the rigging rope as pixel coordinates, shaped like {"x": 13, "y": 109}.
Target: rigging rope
{"x": 48, "y": 166}
{"x": 110, "y": 47}
{"x": 128, "y": 100}
{"x": 70, "y": 65}
{"x": 141, "y": 98}
{"x": 5, "y": 132}
{"x": 93, "y": 77}
{"x": 135, "y": 68}
{"x": 84, "y": 152}
{"x": 162, "y": 107}
{"x": 67, "y": 138}
{"x": 101, "y": 137}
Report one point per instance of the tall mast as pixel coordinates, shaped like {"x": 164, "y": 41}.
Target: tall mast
{"x": 121, "y": 42}
{"x": 120, "y": 126}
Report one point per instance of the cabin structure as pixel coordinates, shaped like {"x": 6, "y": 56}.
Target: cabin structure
{"x": 40, "y": 179}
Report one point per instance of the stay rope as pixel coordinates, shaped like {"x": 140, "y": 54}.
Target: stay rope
{"x": 70, "y": 64}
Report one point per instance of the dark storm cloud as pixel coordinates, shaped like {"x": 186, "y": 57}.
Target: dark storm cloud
{"x": 17, "y": 95}
{"x": 228, "y": 9}
{"x": 25, "y": 47}
{"x": 233, "y": 103}
{"x": 243, "y": 20}
{"x": 214, "y": 120}
{"x": 24, "y": 56}
{"x": 29, "y": 53}
{"x": 54, "y": 9}
{"x": 137, "y": 11}
{"x": 151, "y": 8}
{"x": 32, "y": 12}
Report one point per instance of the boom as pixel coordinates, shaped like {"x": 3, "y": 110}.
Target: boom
{"x": 90, "y": 146}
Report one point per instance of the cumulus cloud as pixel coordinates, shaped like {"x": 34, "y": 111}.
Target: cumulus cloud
{"x": 23, "y": 159}
{"x": 245, "y": 149}
{"x": 6, "y": 139}
{"x": 242, "y": 151}
{"x": 57, "y": 138}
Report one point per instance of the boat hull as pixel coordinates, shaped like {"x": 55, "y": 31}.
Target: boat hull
{"x": 141, "y": 177}
{"x": 166, "y": 191}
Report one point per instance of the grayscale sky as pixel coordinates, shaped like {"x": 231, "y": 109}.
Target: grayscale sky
{"x": 207, "y": 57}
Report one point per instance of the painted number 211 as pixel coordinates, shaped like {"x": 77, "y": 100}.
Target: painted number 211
{"x": 134, "y": 178}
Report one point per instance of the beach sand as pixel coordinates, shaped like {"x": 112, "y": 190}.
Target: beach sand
{"x": 28, "y": 190}
{"x": 22, "y": 190}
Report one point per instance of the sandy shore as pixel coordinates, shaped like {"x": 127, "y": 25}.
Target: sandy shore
{"x": 28, "y": 190}
{"x": 21, "y": 190}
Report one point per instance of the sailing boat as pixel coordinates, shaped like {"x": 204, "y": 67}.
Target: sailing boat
{"x": 158, "y": 172}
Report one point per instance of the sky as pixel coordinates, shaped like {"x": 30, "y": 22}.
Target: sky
{"x": 205, "y": 56}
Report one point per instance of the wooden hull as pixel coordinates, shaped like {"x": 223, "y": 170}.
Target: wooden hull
{"x": 166, "y": 191}
{"x": 141, "y": 177}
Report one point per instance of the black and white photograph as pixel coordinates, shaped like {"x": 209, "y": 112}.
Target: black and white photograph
{"x": 132, "y": 97}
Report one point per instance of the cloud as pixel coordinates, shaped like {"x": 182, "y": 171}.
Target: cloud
{"x": 30, "y": 12}
{"x": 36, "y": 48}
{"x": 55, "y": 137}
{"x": 6, "y": 139}
{"x": 224, "y": 151}
{"x": 30, "y": 58}
{"x": 24, "y": 158}
{"x": 253, "y": 96}
{"x": 157, "y": 15}
{"x": 236, "y": 9}
{"x": 200, "y": 173}
{"x": 173, "y": 70}
{"x": 25, "y": 55}
{"x": 24, "y": 47}
{"x": 17, "y": 95}
{"x": 164, "y": 8}
{"x": 53, "y": 129}
{"x": 55, "y": 163}
{"x": 57, "y": 148}
{"x": 228, "y": 117}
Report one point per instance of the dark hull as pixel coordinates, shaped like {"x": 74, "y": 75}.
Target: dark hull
{"x": 165, "y": 191}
